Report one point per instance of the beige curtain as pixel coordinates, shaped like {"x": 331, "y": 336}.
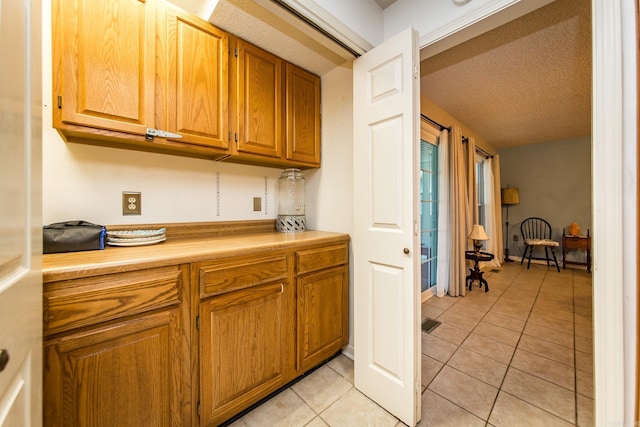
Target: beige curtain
{"x": 444, "y": 233}
{"x": 458, "y": 213}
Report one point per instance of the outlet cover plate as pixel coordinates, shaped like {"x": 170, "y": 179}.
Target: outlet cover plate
{"x": 131, "y": 203}
{"x": 257, "y": 204}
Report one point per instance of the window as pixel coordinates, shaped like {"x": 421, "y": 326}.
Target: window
{"x": 428, "y": 212}
{"x": 483, "y": 181}
{"x": 480, "y": 189}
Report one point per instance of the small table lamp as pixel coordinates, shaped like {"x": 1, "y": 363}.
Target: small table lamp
{"x": 478, "y": 235}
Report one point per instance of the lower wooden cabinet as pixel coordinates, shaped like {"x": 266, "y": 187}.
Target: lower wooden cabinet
{"x": 246, "y": 348}
{"x": 322, "y": 304}
{"x": 124, "y": 374}
{"x": 115, "y": 350}
{"x": 322, "y": 315}
{"x": 193, "y": 344}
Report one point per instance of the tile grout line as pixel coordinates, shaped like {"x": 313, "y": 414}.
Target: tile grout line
{"x": 575, "y": 365}
{"x": 516, "y": 346}
{"x": 499, "y": 388}
{"x": 575, "y": 358}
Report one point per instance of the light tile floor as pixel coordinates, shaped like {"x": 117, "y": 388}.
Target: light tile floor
{"x": 518, "y": 355}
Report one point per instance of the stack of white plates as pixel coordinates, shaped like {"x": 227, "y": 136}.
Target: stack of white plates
{"x": 136, "y": 237}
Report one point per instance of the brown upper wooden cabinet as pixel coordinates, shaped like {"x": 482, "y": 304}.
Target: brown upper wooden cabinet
{"x": 257, "y": 102}
{"x": 104, "y": 66}
{"x": 192, "y": 96}
{"x": 275, "y": 110}
{"x": 124, "y": 67}
{"x": 121, "y": 67}
{"x": 303, "y": 116}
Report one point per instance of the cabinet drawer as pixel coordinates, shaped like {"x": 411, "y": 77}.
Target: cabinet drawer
{"x": 218, "y": 277}
{"x": 316, "y": 259}
{"x": 80, "y": 302}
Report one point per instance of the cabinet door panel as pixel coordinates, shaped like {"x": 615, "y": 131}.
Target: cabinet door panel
{"x": 260, "y": 102}
{"x": 246, "y": 341}
{"x": 126, "y": 374}
{"x": 303, "y": 116}
{"x": 104, "y": 63}
{"x": 322, "y": 315}
{"x": 197, "y": 81}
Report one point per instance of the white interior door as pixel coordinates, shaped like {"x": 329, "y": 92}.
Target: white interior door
{"x": 386, "y": 238}
{"x": 20, "y": 206}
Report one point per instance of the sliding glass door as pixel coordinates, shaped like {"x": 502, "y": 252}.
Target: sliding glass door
{"x": 428, "y": 211}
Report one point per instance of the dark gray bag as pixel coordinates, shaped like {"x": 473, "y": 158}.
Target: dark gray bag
{"x": 72, "y": 236}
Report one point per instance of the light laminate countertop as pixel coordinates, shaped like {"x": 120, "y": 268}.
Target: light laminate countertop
{"x": 73, "y": 265}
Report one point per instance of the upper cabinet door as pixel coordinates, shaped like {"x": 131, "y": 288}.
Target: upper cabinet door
{"x": 104, "y": 63}
{"x": 259, "y": 101}
{"x": 303, "y": 116}
{"x": 194, "y": 100}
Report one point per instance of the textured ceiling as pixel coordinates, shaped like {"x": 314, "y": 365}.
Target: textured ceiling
{"x": 526, "y": 82}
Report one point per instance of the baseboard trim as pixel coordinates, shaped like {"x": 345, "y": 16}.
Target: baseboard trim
{"x": 348, "y": 351}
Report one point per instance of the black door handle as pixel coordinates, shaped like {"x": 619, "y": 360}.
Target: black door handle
{"x": 4, "y": 359}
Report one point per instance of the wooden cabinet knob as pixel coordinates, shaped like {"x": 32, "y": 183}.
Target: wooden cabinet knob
{"x": 4, "y": 359}
{"x": 406, "y": 251}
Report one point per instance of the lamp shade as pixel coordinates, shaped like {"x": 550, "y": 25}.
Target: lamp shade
{"x": 478, "y": 233}
{"x": 510, "y": 196}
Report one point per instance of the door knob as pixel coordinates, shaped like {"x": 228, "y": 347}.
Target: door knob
{"x": 406, "y": 251}
{"x": 4, "y": 359}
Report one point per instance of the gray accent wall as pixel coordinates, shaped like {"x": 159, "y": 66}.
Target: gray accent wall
{"x": 554, "y": 179}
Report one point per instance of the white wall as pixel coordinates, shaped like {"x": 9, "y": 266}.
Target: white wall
{"x": 561, "y": 195}
{"x": 362, "y": 16}
{"x": 86, "y": 182}
{"x": 443, "y": 24}
{"x": 330, "y": 188}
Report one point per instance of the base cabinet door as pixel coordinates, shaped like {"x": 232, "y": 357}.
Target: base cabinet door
{"x": 322, "y": 300}
{"x": 246, "y": 348}
{"x": 123, "y": 374}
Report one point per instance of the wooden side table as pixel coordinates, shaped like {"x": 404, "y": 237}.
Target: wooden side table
{"x": 475, "y": 273}
{"x": 576, "y": 242}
